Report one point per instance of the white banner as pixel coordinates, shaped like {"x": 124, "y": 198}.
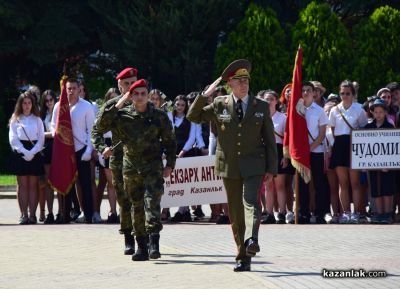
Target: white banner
{"x": 373, "y": 149}
{"x": 193, "y": 182}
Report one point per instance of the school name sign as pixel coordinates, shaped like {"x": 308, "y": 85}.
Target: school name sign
{"x": 373, "y": 149}
{"x": 193, "y": 182}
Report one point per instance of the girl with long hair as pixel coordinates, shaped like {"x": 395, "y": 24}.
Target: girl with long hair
{"x": 26, "y": 136}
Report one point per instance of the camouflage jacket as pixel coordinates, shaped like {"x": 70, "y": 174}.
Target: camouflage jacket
{"x": 144, "y": 136}
{"x": 97, "y": 135}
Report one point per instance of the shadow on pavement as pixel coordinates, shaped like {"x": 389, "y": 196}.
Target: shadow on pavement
{"x": 275, "y": 274}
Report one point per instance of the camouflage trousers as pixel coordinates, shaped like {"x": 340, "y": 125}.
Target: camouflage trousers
{"x": 145, "y": 190}
{"x": 123, "y": 198}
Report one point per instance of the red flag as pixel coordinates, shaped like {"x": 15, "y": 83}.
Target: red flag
{"x": 295, "y": 143}
{"x": 63, "y": 170}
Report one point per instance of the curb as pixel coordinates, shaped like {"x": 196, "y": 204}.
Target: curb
{"x": 8, "y": 188}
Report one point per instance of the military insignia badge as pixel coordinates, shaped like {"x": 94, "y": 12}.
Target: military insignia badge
{"x": 259, "y": 114}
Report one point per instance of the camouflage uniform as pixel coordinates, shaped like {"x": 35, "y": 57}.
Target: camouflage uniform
{"x": 123, "y": 198}
{"x": 144, "y": 136}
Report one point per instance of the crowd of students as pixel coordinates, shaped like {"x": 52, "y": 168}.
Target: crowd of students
{"x": 327, "y": 198}
{"x": 334, "y": 185}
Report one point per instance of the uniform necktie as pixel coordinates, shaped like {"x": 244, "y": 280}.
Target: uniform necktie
{"x": 239, "y": 109}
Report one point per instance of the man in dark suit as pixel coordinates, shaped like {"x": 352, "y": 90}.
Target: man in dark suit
{"x": 246, "y": 153}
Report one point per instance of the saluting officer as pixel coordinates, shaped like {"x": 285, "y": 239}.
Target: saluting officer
{"x": 125, "y": 79}
{"x": 145, "y": 131}
{"x": 246, "y": 151}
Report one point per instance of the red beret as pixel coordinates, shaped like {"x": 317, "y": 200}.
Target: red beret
{"x": 138, "y": 83}
{"x": 126, "y": 73}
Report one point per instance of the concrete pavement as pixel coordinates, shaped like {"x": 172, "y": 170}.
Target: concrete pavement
{"x": 195, "y": 255}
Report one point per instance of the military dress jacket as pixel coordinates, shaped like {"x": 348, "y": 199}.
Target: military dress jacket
{"x": 245, "y": 148}
{"x": 145, "y": 136}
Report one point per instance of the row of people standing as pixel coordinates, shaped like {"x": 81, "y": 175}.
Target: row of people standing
{"x": 32, "y": 126}
{"x": 334, "y": 184}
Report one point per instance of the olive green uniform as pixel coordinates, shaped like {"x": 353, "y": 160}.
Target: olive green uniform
{"x": 144, "y": 136}
{"x": 124, "y": 201}
{"x": 246, "y": 150}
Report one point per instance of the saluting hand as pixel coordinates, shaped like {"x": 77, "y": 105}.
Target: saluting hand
{"x": 121, "y": 102}
{"x": 210, "y": 90}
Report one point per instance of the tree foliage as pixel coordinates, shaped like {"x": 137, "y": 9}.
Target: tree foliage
{"x": 260, "y": 39}
{"x": 327, "y": 47}
{"x": 378, "y": 50}
{"x": 171, "y": 42}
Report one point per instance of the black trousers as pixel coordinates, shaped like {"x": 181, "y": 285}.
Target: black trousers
{"x": 320, "y": 182}
{"x": 84, "y": 178}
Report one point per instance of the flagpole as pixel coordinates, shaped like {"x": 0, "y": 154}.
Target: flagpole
{"x": 297, "y": 198}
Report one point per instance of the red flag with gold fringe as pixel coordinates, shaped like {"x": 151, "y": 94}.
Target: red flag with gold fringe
{"x": 63, "y": 168}
{"x": 295, "y": 143}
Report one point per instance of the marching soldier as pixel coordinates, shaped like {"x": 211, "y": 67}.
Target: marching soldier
{"x": 145, "y": 132}
{"x": 246, "y": 151}
{"x": 125, "y": 79}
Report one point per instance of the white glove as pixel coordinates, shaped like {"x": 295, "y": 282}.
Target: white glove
{"x": 86, "y": 156}
{"x": 28, "y": 156}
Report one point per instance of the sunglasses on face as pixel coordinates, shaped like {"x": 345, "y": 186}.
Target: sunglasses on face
{"x": 345, "y": 93}
{"x": 49, "y": 100}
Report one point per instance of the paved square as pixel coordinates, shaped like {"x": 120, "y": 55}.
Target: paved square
{"x": 196, "y": 255}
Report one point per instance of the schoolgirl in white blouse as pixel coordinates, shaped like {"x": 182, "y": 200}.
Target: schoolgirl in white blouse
{"x": 343, "y": 118}
{"x": 277, "y": 189}
{"x": 26, "y": 136}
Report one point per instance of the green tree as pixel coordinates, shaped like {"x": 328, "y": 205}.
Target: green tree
{"x": 327, "y": 47}
{"x": 260, "y": 39}
{"x": 378, "y": 50}
{"x": 351, "y": 12}
{"x": 171, "y": 42}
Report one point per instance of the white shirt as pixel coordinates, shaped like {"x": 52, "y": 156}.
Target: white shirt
{"x": 82, "y": 120}
{"x": 34, "y": 131}
{"x": 47, "y": 121}
{"x": 279, "y": 120}
{"x": 245, "y": 102}
{"x": 192, "y": 135}
{"x": 212, "y": 144}
{"x": 315, "y": 117}
{"x": 199, "y": 136}
{"x": 355, "y": 115}
{"x": 357, "y": 104}
{"x": 330, "y": 140}
{"x": 95, "y": 107}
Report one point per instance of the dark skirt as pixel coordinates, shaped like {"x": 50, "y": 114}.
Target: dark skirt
{"x": 340, "y": 152}
{"x": 289, "y": 169}
{"x": 48, "y": 151}
{"x": 382, "y": 183}
{"x": 21, "y": 167}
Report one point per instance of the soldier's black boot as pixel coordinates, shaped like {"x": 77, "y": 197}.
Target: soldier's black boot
{"x": 142, "y": 253}
{"x": 154, "y": 250}
{"x": 129, "y": 244}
